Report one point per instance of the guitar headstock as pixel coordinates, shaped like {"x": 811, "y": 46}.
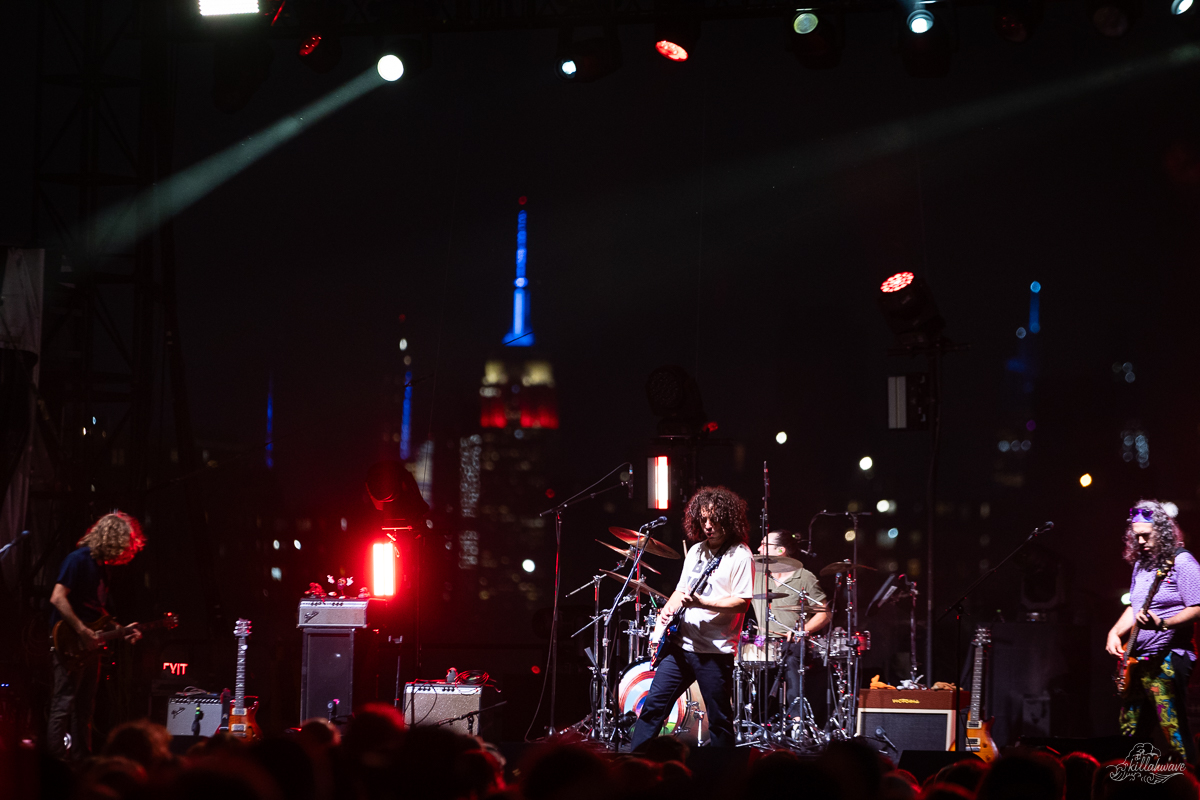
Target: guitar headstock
{"x": 241, "y": 628}
{"x": 983, "y": 636}
{"x": 170, "y": 621}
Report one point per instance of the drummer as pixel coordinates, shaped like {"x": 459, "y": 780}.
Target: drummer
{"x": 796, "y": 583}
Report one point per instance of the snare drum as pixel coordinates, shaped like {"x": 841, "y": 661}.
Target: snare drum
{"x": 755, "y": 649}
{"x": 688, "y": 718}
{"x": 839, "y": 644}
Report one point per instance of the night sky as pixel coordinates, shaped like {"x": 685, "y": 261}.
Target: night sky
{"x": 733, "y": 215}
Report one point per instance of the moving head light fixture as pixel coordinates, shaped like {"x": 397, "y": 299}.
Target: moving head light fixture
{"x": 675, "y": 38}
{"x": 816, "y": 36}
{"x": 588, "y": 59}
{"x": 928, "y": 38}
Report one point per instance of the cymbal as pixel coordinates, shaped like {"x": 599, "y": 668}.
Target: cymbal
{"x": 770, "y": 596}
{"x": 813, "y": 608}
{"x": 629, "y": 553}
{"x": 636, "y": 584}
{"x": 777, "y": 563}
{"x": 652, "y": 546}
{"x": 842, "y": 566}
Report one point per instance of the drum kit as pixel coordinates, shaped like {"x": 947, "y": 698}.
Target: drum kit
{"x": 765, "y": 716}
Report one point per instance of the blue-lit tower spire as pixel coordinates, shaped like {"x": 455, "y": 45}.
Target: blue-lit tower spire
{"x": 521, "y": 334}
{"x": 270, "y": 451}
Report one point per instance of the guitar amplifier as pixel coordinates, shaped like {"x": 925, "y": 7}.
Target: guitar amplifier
{"x": 437, "y": 702}
{"x": 182, "y": 712}
{"x": 365, "y": 613}
{"x": 909, "y": 719}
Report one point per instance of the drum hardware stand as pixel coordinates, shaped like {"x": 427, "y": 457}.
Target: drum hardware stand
{"x": 586, "y": 494}
{"x": 599, "y": 722}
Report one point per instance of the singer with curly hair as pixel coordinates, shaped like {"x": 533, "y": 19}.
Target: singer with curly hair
{"x": 708, "y": 606}
{"x": 80, "y": 597}
{"x": 1155, "y": 704}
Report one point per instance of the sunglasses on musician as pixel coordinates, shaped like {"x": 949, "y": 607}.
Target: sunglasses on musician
{"x": 1141, "y": 515}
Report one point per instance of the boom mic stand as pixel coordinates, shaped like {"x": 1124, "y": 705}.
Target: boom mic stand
{"x": 586, "y": 494}
{"x": 957, "y": 608}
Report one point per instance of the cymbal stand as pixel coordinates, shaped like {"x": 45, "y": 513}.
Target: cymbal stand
{"x": 597, "y": 719}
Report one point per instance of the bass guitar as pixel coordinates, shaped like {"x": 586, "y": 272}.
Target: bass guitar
{"x": 665, "y": 634}
{"x": 979, "y": 731}
{"x": 69, "y": 644}
{"x": 1126, "y": 661}
{"x": 242, "y": 723}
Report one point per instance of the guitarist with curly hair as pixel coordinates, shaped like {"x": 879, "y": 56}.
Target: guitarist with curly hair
{"x": 706, "y": 610}
{"x": 1164, "y": 601}
{"x": 79, "y": 599}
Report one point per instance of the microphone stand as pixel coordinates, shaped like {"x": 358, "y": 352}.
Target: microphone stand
{"x": 586, "y": 494}
{"x": 957, "y": 608}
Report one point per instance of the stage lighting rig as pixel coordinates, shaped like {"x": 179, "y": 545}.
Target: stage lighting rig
{"x": 909, "y": 309}
{"x": 816, "y": 37}
{"x": 405, "y": 57}
{"x": 588, "y": 59}
{"x": 675, "y": 38}
{"x": 928, "y": 39}
{"x": 320, "y": 23}
{"x": 222, "y": 8}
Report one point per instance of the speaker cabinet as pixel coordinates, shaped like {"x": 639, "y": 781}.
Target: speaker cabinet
{"x": 908, "y": 720}
{"x": 440, "y": 703}
{"x": 337, "y": 672}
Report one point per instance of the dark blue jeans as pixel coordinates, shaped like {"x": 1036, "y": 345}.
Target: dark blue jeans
{"x": 714, "y": 673}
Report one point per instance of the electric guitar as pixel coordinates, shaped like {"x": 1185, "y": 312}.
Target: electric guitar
{"x": 665, "y": 634}
{"x": 979, "y": 731}
{"x": 69, "y": 644}
{"x": 1126, "y": 661}
{"x": 241, "y": 717}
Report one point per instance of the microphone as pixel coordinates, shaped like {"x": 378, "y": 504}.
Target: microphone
{"x": 880, "y": 732}
{"x": 658, "y": 523}
{"x": 1045, "y": 527}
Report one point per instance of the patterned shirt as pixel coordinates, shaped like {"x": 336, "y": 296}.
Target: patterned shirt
{"x": 1179, "y": 589}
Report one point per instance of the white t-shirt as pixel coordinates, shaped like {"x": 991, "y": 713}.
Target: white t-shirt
{"x": 703, "y": 630}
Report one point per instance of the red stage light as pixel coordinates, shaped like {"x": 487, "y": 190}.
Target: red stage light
{"x": 309, "y": 44}
{"x": 671, "y": 50}
{"x": 659, "y": 472}
{"x": 897, "y": 282}
{"x": 383, "y": 569}
{"x": 550, "y": 493}
{"x": 535, "y": 669}
{"x": 522, "y": 199}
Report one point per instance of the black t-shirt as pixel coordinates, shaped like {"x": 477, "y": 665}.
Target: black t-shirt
{"x": 88, "y": 585}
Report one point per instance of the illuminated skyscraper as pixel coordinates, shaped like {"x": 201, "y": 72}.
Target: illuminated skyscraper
{"x": 505, "y": 468}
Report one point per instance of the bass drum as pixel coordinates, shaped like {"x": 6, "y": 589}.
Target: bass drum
{"x": 688, "y": 718}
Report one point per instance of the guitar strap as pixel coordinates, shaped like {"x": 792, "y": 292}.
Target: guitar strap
{"x": 710, "y": 569}
{"x": 1154, "y": 587}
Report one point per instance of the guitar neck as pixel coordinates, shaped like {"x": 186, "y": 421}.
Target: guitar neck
{"x": 239, "y": 693}
{"x": 976, "y": 711}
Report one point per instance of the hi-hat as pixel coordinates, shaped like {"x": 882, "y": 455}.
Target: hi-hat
{"x": 777, "y": 563}
{"x": 843, "y": 567}
{"x": 635, "y": 584}
{"x": 770, "y": 596}
{"x": 629, "y": 553}
{"x": 641, "y": 540}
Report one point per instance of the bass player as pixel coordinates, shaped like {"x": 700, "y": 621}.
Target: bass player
{"x": 703, "y": 650}
{"x": 1155, "y": 703}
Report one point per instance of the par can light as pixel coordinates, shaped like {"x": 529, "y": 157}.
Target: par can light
{"x": 805, "y": 22}
{"x": 390, "y": 68}
{"x": 920, "y": 21}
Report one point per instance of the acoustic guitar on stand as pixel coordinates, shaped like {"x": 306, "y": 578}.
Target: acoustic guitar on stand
{"x": 979, "y": 731}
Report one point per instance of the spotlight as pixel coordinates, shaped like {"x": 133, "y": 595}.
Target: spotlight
{"x": 928, "y": 40}
{"x": 1015, "y": 20}
{"x": 383, "y": 569}
{"x": 391, "y": 68}
{"x": 1180, "y": 6}
{"x": 589, "y": 59}
{"x": 658, "y": 471}
{"x": 815, "y": 38}
{"x": 1114, "y": 18}
{"x": 909, "y": 309}
{"x": 920, "y": 21}
{"x": 220, "y": 8}
{"x": 675, "y": 399}
{"x": 675, "y": 38}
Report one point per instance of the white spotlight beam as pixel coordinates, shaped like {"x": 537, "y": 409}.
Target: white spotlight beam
{"x": 122, "y": 225}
